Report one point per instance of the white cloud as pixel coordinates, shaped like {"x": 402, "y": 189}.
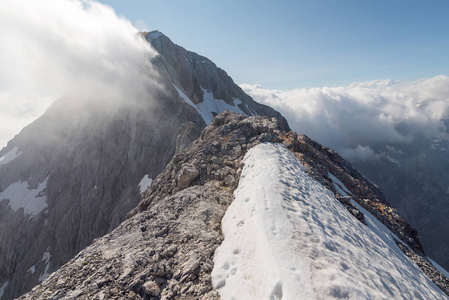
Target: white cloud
{"x": 350, "y": 119}
{"x": 141, "y": 25}
{"x": 56, "y": 48}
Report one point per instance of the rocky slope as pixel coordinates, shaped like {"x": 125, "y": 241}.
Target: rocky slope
{"x": 72, "y": 175}
{"x": 165, "y": 249}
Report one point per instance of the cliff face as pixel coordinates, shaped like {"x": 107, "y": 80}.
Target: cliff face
{"x": 72, "y": 175}
{"x": 166, "y": 247}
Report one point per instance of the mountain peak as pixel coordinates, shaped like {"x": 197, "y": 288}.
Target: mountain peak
{"x": 154, "y": 34}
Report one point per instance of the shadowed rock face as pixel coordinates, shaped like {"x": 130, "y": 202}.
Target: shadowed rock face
{"x": 93, "y": 165}
{"x": 88, "y": 159}
{"x": 165, "y": 249}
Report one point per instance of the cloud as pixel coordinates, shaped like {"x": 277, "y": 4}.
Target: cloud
{"x": 56, "y": 48}
{"x": 141, "y": 26}
{"x": 352, "y": 119}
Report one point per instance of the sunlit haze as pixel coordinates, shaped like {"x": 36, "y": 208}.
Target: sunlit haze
{"x": 57, "y": 47}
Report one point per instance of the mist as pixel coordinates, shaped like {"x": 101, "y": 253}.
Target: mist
{"x": 351, "y": 119}
{"x": 67, "y": 48}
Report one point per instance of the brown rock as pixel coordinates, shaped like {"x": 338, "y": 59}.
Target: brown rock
{"x": 187, "y": 174}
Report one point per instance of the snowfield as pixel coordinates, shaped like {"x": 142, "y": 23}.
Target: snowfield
{"x": 287, "y": 237}
{"x": 144, "y": 183}
{"x": 10, "y": 156}
{"x": 46, "y": 258}
{"x": 210, "y": 106}
{"x": 20, "y": 195}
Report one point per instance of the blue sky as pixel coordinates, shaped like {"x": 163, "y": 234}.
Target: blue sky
{"x": 293, "y": 44}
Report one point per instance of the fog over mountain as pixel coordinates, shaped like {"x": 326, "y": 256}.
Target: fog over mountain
{"x": 56, "y": 48}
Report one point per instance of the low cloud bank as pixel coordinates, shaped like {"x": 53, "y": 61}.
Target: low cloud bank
{"x": 57, "y": 48}
{"x": 351, "y": 119}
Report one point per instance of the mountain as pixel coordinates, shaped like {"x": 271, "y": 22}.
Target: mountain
{"x": 415, "y": 179}
{"x": 73, "y": 174}
{"x": 200, "y": 82}
{"x": 249, "y": 210}
{"x": 241, "y": 207}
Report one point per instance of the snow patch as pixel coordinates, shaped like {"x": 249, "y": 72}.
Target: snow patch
{"x": 210, "y": 106}
{"x": 20, "y": 195}
{"x": 3, "y": 287}
{"x": 145, "y": 183}
{"x": 32, "y": 269}
{"x": 11, "y": 155}
{"x": 339, "y": 186}
{"x": 287, "y": 237}
{"x": 187, "y": 100}
{"x": 155, "y": 34}
{"x": 46, "y": 257}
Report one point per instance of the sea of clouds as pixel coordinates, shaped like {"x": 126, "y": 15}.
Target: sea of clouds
{"x": 351, "y": 119}
{"x": 56, "y": 48}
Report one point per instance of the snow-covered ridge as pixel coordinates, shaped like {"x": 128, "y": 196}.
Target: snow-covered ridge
{"x": 10, "y": 156}
{"x": 21, "y": 196}
{"x": 287, "y": 237}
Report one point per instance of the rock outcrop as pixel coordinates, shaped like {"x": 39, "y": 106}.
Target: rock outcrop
{"x": 165, "y": 249}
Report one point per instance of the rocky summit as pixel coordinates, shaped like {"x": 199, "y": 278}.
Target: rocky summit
{"x": 165, "y": 249}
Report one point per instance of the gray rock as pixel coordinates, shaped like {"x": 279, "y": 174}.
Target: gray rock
{"x": 151, "y": 289}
